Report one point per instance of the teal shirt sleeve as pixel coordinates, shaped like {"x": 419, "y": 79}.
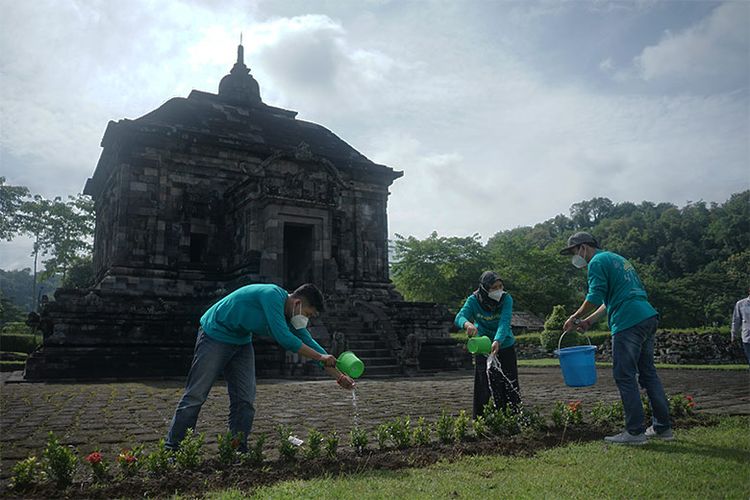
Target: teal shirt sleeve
{"x": 465, "y": 314}
{"x": 277, "y": 325}
{"x": 503, "y": 326}
{"x": 597, "y": 282}
{"x": 304, "y": 335}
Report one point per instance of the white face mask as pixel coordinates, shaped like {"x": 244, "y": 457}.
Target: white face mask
{"x": 578, "y": 261}
{"x": 299, "y": 320}
{"x": 496, "y": 295}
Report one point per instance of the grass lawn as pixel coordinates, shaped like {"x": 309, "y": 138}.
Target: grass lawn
{"x": 604, "y": 364}
{"x": 703, "y": 462}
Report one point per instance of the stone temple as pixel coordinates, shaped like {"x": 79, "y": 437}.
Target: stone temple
{"x": 214, "y": 191}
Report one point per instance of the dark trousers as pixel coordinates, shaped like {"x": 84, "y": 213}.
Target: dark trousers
{"x": 504, "y": 388}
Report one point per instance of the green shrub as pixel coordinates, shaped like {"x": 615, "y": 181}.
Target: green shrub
{"x": 607, "y": 414}
{"x": 444, "y": 428}
{"x": 422, "y": 432}
{"x": 359, "y": 440}
{"x": 159, "y": 462}
{"x": 528, "y": 338}
{"x": 188, "y": 455}
{"x": 314, "y": 443}
{"x": 332, "y": 444}
{"x": 229, "y": 445}
{"x": 567, "y": 414}
{"x": 11, "y": 342}
{"x": 647, "y": 413}
{"x": 26, "y": 473}
{"x": 130, "y": 461}
{"x": 16, "y": 328}
{"x": 502, "y": 421}
{"x": 530, "y": 420}
{"x": 254, "y": 455}
{"x": 479, "y": 426}
{"x": 461, "y": 425}
{"x": 681, "y": 405}
{"x": 99, "y": 466}
{"x": 287, "y": 449}
{"x": 400, "y": 431}
{"x": 60, "y": 462}
{"x": 382, "y": 434}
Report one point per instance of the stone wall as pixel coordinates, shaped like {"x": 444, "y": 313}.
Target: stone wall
{"x": 673, "y": 348}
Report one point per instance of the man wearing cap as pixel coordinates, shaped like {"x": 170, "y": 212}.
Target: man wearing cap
{"x": 615, "y": 288}
{"x": 224, "y": 347}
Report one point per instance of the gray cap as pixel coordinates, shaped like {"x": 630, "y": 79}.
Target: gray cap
{"x": 579, "y": 238}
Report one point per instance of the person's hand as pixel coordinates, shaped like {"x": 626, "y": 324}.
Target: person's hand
{"x": 345, "y": 382}
{"x": 495, "y": 348}
{"x": 584, "y": 325}
{"x": 471, "y": 329}
{"x": 569, "y": 324}
{"x": 328, "y": 360}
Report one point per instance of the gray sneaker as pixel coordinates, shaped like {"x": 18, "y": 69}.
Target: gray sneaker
{"x": 665, "y": 435}
{"x": 627, "y": 438}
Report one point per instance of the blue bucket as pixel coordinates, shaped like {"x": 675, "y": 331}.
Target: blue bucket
{"x": 577, "y": 364}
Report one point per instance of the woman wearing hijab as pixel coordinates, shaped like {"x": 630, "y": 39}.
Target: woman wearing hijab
{"x": 487, "y": 312}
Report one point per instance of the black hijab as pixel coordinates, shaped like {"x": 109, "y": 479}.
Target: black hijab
{"x": 486, "y": 280}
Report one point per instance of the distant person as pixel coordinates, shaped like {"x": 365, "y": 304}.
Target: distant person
{"x": 614, "y": 287}
{"x": 488, "y": 312}
{"x": 741, "y": 323}
{"x": 225, "y": 347}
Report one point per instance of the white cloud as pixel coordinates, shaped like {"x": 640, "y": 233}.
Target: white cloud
{"x": 716, "y": 47}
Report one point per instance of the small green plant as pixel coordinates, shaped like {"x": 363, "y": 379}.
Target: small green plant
{"x": 229, "y": 446}
{"x": 401, "y": 433}
{"x": 26, "y": 473}
{"x": 188, "y": 455}
{"x": 359, "y": 440}
{"x": 567, "y": 414}
{"x": 382, "y": 434}
{"x": 681, "y": 405}
{"x": 129, "y": 461}
{"x": 60, "y": 462}
{"x": 502, "y": 421}
{"x": 607, "y": 414}
{"x": 422, "y": 432}
{"x": 159, "y": 461}
{"x": 461, "y": 425}
{"x": 314, "y": 444}
{"x": 331, "y": 445}
{"x": 287, "y": 449}
{"x": 99, "y": 468}
{"x": 254, "y": 455}
{"x": 530, "y": 420}
{"x": 444, "y": 428}
{"x": 479, "y": 426}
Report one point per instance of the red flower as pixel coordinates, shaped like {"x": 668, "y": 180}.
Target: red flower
{"x": 574, "y": 406}
{"x": 235, "y": 443}
{"x": 689, "y": 398}
{"x": 127, "y": 456}
{"x": 94, "y": 458}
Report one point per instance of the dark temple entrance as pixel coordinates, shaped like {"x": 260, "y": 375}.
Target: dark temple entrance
{"x": 298, "y": 255}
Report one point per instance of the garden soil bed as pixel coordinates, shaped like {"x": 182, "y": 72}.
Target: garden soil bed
{"x": 212, "y": 475}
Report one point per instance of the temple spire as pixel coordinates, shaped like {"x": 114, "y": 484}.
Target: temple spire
{"x": 240, "y": 52}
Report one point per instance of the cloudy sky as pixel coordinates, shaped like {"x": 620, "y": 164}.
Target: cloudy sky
{"x": 500, "y": 113}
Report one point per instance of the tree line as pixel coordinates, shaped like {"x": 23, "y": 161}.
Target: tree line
{"x": 693, "y": 260}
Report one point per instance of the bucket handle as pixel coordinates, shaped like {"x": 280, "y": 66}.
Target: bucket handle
{"x": 559, "y": 342}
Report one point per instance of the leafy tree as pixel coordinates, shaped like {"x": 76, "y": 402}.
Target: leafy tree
{"x": 438, "y": 269}
{"x": 11, "y": 199}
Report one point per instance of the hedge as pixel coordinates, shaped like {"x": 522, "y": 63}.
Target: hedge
{"x": 19, "y": 343}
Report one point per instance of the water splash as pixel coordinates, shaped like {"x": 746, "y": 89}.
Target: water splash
{"x": 494, "y": 364}
{"x": 355, "y": 409}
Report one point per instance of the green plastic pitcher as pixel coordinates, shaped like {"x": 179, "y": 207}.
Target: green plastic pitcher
{"x": 350, "y": 364}
{"x": 479, "y": 345}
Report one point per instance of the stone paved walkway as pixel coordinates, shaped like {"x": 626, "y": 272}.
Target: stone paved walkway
{"x": 115, "y": 415}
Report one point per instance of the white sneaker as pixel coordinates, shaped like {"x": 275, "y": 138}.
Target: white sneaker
{"x": 627, "y": 438}
{"x": 665, "y": 435}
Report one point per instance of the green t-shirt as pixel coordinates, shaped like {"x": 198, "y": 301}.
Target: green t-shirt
{"x": 614, "y": 282}
{"x": 255, "y": 310}
{"x": 495, "y": 325}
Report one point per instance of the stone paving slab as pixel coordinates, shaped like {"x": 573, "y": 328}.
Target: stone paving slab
{"x": 111, "y": 416}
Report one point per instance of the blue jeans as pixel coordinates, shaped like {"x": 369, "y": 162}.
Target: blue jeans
{"x": 212, "y": 358}
{"x": 633, "y": 354}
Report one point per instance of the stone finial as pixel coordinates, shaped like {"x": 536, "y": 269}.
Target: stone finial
{"x": 239, "y": 87}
